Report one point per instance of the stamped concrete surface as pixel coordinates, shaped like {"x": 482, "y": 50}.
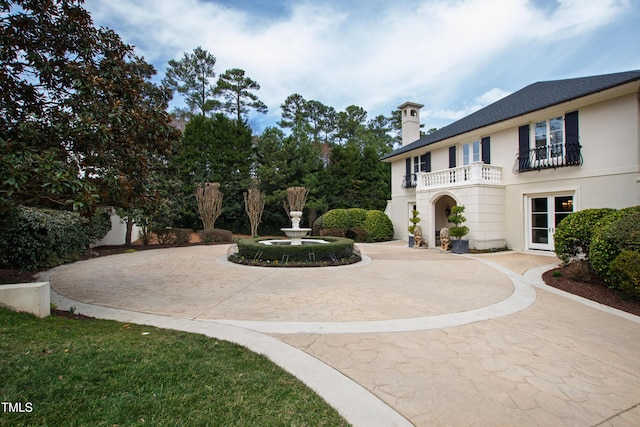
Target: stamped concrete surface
{"x": 425, "y": 338}
{"x": 198, "y": 282}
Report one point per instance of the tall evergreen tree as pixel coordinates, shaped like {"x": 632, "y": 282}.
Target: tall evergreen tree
{"x": 236, "y": 89}
{"x": 191, "y": 77}
{"x": 216, "y": 149}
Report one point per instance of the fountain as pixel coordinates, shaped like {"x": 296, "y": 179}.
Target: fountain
{"x": 295, "y": 233}
{"x": 296, "y": 250}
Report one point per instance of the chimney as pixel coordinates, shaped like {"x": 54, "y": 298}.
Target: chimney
{"x": 410, "y": 122}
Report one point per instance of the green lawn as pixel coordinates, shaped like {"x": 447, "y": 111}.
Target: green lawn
{"x": 104, "y": 373}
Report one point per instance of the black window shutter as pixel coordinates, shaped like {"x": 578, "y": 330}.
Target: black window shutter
{"x": 452, "y": 156}
{"x": 523, "y": 148}
{"x": 425, "y": 161}
{"x": 486, "y": 150}
{"x": 572, "y": 144}
{"x": 407, "y": 176}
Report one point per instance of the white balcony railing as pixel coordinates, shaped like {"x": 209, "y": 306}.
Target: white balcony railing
{"x": 475, "y": 173}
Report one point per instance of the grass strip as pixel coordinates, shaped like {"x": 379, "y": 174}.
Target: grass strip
{"x": 105, "y": 373}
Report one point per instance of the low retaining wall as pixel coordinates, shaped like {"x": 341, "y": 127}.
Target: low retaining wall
{"x": 34, "y": 298}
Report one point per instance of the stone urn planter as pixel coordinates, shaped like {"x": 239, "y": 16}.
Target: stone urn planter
{"x": 459, "y": 246}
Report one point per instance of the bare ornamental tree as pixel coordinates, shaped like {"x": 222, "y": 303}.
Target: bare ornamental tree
{"x": 254, "y": 206}
{"x": 296, "y": 198}
{"x": 209, "y": 198}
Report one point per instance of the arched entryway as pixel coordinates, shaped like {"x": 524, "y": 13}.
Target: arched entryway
{"x": 442, "y": 207}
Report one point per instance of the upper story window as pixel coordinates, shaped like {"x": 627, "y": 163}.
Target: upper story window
{"x": 549, "y": 143}
{"x": 549, "y": 138}
{"x": 413, "y": 166}
{"x": 470, "y": 153}
{"x": 420, "y": 164}
{"x": 476, "y": 151}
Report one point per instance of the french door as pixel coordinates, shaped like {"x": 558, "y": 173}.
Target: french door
{"x": 545, "y": 212}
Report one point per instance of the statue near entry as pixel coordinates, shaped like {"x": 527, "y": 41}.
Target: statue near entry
{"x": 418, "y": 239}
{"x": 445, "y": 240}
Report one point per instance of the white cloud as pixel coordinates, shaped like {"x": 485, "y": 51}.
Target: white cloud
{"x": 354, "y": 53}
{"x": 479, "y": 102}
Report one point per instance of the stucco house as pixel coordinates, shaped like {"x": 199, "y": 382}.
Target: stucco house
{"x": 523, "y": 163}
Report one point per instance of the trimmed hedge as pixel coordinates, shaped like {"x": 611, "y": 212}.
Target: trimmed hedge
{"x": 350, "y": 223}
{"x": 625, "y": 273}
{"x": 573, "y": 234}
{"x": 43, "y": 238}
{"x": 173, "y": 236}
{"x": 216, "y": 235}
{"x": 379, "y": 226}
{"x": 615, "y": 232}
{"x": 344, "y": 218}
{"x": 338, "y": 247}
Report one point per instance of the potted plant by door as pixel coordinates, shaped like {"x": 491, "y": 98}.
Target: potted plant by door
{"x": 414, "y": 220}
{"x": 458, "y": 231}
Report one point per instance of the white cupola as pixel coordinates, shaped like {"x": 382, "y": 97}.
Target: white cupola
{"x": 410, "y": 122}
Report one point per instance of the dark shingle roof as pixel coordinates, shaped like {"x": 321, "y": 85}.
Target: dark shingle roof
{"x": 531, "y": 98}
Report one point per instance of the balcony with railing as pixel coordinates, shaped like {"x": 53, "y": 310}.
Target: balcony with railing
{"x": 549, "y": 157}
{"x": 473, "y": 174}
{"x": 409, "y": 181}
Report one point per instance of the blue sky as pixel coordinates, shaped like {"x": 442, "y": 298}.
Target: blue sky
{"x": 452, "y": 56}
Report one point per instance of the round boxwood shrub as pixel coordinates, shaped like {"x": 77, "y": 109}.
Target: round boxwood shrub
{"x": 378, "y": 226}
{"x": 573, "y": 234}
{"x": 338, "y": 249}
{"x": 356, "y": 217}
{"x": 344, "y": 218}
{"x": 614, "y": 233}
{"x": 216, "y": 235}
{"x": 349, "y": 222}
{"x": 625, "y": 273}
{"x": 173, "y": 236}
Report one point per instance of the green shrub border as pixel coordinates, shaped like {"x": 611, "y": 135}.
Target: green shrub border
{"x": 360, "y": 224}
{"x": 574, "y": 233}
{"x": 605, "y": 242}
{"x": 379, "y": 226}
{"x": 35, "y": 238}
{"x": 625, "y": 273}
{"x": 339, "y": 251}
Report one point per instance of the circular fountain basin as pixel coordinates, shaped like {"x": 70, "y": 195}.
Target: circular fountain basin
{"x": 312, "y": 251}
{"x": 296, "y": 232}
{"x": 282, "y": 242}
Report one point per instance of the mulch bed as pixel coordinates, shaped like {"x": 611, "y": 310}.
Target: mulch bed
{"x": 592, "y": 288}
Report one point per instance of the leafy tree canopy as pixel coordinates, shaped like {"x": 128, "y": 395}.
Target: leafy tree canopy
{"x": 80, "y": 122}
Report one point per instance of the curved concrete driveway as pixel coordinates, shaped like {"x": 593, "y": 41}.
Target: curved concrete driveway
{"x": 371, "y": 323}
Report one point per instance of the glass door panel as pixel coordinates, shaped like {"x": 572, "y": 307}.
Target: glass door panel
{"x": 545, "y": 214}
{"x": 563, "y": 206}
{"x": 539, "y": 220}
